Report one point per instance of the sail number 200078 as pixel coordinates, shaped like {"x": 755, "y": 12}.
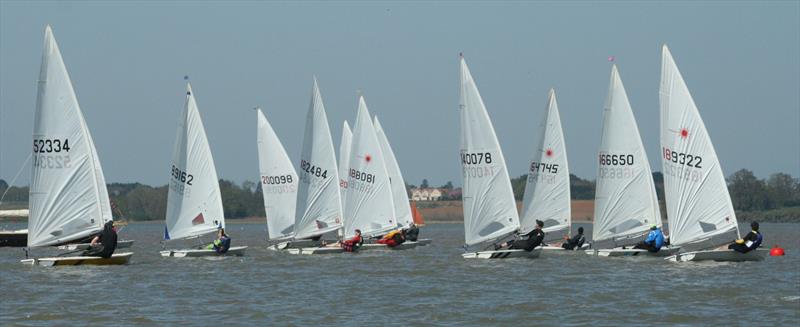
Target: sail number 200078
{"x": 477, "y": 165}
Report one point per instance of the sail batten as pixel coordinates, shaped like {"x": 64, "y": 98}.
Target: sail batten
{"x": 490, "y": 211}
{"x": 68, "y": 195}
{"x": 699, "y": 207}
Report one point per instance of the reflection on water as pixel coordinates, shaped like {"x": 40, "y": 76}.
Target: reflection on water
{"x": 427, "y": 285}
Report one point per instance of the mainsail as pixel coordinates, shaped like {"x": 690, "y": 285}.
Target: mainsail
{"x": 699, "y": 208}
{"x": 319, "y": 206}
{"x": 68, "y": 195}
{"x": 625, "y": 203}
{"x": 547, "y": 194}
{"x": 490, "y": 211}
{"x": 194, "y": 204}
{"x": 369, "y": 204}
{"x": 344, "y": 157}
{"x": 402, "y": 209}
{"x": 278, "y": 182}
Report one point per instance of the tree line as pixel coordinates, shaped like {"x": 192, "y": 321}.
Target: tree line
{"x": 137, "y": 201}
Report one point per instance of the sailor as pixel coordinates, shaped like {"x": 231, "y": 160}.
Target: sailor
{"x": 654, "y": 241}
{"x": 412, "y": 233}
{"x": 104, "y": 243}
{"x": 574, "y": 242}
{"x": 532, "y": 239}
{"x": 353, "y": 243}
{"x": 750, "y": 242}
{"x": 222, "y": 243}
{"x": 393, "y": 238}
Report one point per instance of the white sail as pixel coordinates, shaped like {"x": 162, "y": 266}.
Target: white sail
{"x": 547, "y": 193}
{"x": 278, "y": 182}
{"x": 699, "y": 208}
{"x": 369, "y": 205}
{"x": 344, "y": 157}
{"x": 490, "y": 210}
{"x": 319, "y": 206}
{"x": 402, "y": 207}
{"x": 68, "y": 195}
{"x": 625, "y": 203}
{"x": 194, "y": 204}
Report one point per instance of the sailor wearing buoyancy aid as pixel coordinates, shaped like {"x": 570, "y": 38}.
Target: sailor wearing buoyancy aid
{"x": 750, "y": 242}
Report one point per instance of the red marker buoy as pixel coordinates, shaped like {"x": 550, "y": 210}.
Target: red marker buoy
{"x": 776, "y": 251}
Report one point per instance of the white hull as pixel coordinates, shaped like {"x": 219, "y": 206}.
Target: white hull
{"x": 424, "y": 241}
{"x": 191, "y": 253}
{"x": 719, "y": 255}
{"x": 116, "y": 259}
{"x": 620, "y": 252}
{"x": 558, "y": 249}
{"x": 318, "y": 250}
{"x": 504, "y": 254}
{"x": 293, "y": 245}
{"x": 83, "y": 246}
{"x": 377, "y": 246}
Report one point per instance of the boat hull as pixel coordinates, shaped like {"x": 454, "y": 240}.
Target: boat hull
{"x": 503, "y": 254}
{"x": 294, "y": 244}
{"x": 84, "y": 246}
{"x": 237, "y": 251}
{"x": 424, "y": 241}
{"x": 378, "y": 246}
{"x": 620, "y": 252}
{"x": 116, "y": 259}
{"x": 558, "y": 249}
{"x": 719, "y": 255}
{"x": 315, "y": 250}
{"x": 15, "y": 238}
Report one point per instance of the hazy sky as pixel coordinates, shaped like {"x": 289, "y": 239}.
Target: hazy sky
{"x": 127, "y": 60}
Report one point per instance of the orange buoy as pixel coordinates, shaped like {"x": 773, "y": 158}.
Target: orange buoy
{"x": 776, "y": 251}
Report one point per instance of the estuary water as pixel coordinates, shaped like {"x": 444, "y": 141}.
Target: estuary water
{"x": 429, "y": 285}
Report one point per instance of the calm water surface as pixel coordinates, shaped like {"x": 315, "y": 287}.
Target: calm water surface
{"x": 429, "y": 285}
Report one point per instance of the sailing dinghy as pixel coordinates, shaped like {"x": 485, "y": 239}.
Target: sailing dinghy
{"x": 699, "y": 209}
{"x": 194, "y": 204}
{"x": 278, "y": 184}
{"x": 490, "y": 212}
{"x": 547, "y": 193}
{"x": 68, "y": 195}
{"x": 319, "y": 206}
{"x": 625, "y": 205}
{"x": 403, "y": 213}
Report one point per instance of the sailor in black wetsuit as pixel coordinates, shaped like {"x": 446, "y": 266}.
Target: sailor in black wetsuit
{"x": 575, "y": 242}
{"x": 532, "y": 239}
{"x": 104, "y": 244}
{"x": 412, "y": 233}
{"x": 750, "y": 242}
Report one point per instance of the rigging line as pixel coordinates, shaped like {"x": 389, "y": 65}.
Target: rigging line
{"x": 15, "y": 177}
